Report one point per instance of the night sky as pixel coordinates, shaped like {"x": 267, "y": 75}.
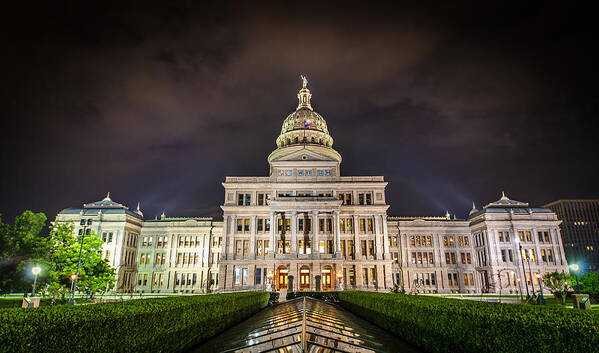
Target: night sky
{"x": 157, "y": 104}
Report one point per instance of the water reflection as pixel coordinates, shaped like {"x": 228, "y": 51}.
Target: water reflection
{"x": 328, "y": 328}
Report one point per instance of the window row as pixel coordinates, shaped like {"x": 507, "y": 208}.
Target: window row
{"x": 107, "y": 237}
{"x": 187, "y": 258}
{"x": 421, "y": 258}
{"x": 305, "y": 172}
{"x": 452, "y": 279}
{"x": 465, "y": 258}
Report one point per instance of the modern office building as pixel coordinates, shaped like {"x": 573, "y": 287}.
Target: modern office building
{"x": 580, "y": 230}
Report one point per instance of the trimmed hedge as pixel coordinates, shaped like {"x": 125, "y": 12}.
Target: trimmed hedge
{"x": 453, "y": 325}
{"x": 171, "y": 324}
{"x": 329, "y": 297}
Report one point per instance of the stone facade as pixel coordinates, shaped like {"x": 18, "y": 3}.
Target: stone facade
{"x": 118, "y": 227}
{"x": 179, "y": 255}
{"x": 307, "y": 227}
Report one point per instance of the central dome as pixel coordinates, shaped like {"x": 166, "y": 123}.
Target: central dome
{"x": 304, "y": 125}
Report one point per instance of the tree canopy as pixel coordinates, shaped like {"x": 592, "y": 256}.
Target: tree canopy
{"x": 23, "y": 245}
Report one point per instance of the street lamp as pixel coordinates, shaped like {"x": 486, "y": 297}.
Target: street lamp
{"x": 74, "y": 283}
{"x": 575, "y": 268}
{"x": 517, "y": 241}
{"x": 541, "y": 299}
{"x": 36, "y": 271}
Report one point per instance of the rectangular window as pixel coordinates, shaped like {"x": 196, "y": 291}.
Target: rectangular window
{"x": 321, "y": 248}
{"x": 246, "y": 248}
{"x": 369, "y": 223}
{"x": 246, "y": 225}
{"x": 361, "y": 199}
{"x": 342, "y": 225}
{"x": 260, "y": 225}
{"x": 343, "y": 247}
{"x": 350, "y": 247}
{"x": 451, "y": 242}
{"x": 239, "y": 225}
{"x": 430, "y": 258}
{"x": 244, "y": 276}
{"x": 521, "y": 235}
{"x": 413, "y": 257}
{"x": 543, "y": 256}
{"x": 466, "y": 240}
{"x": 371, "y": 248}
{"x": 362, "y": 225}
{"x": 546, "y": 236}
{"x": 348, "y": 199}
{"x": 238, "y": 248}
{"x": 329, "y": 246}
{"x": 528, "y": 236}
{"x": 369, "y": 199}
{"x": 261, "y": 199}
{"x": 267, "y": 225}
{"x": 266, "y": 247}
{"x": 237, "y": 275}
{"x": 240, "y": 199}
{"x": 445, "y": 241}
{"x": 510, "y": 255}
{"x": 540, "y": 234}
{"x": 503, "y": 257}
{"x": 463, "y": 257}
{"x": 549, "y": 255}
{"x": 258, "y": 275}
{"x": 350, "y": 225}
{"x": 363, "y": 247}
{"x": 500, "y": 235}
{"x": 145, "y": 279}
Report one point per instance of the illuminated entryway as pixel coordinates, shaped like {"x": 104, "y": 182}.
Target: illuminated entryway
{"x": 282, "y": 273}
{"x": 304, "y": 283}
{"x": 327, "y": 278}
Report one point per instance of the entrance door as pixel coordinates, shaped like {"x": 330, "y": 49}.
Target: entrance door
{"x": 327, "y": 278}
{"x": 282, "y": 273}
{"x": 304, "y": 278}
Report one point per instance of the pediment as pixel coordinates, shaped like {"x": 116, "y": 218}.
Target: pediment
{"x": 305, "y": 155}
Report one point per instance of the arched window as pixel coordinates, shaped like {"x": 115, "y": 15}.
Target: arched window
{"x": 296, "y": 140}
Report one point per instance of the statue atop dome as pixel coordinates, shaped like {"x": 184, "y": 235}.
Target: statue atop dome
{"x": 304, "y": 81}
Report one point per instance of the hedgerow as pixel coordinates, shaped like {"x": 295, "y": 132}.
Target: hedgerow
{"x": 171, "y": 324}
{"x": 451, "y": 325}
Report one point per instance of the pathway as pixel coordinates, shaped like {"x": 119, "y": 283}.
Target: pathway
{"x": 325, "y": 327}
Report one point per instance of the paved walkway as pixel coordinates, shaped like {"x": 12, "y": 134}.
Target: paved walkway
{"x": 326, "y": 328}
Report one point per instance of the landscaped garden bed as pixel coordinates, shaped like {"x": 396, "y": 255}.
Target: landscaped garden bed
{"x": 171, "y": 324}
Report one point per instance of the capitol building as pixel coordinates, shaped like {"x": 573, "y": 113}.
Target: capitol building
{"x": 305, "y": 226}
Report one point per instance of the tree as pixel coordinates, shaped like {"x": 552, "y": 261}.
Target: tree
{"x": 589, "y": 283}
{"x": 21, "y": 245}
{"x": 95, "y": 274}
{"x": 559, "y": 284}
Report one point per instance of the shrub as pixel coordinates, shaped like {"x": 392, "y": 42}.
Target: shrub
{"x": 452, "y": 325}
{"x": 273, "y": 298}
{"x": 171, "y": 324}
{"x": 330, "y": 297}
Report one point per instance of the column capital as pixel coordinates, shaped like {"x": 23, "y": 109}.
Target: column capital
{"x": 336, "y": 212}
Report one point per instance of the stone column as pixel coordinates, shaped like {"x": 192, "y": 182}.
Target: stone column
{"x": 357, "y": 250}
{"x": 386, "y": 237}
{"x": 273, "y": 218}
{"x": 252, "y": 254}
{"x": 230, "y": 243}
{"x": 315, "y": 252}
{"x": 337, "y": 235}
{"x": 294, "y": 232}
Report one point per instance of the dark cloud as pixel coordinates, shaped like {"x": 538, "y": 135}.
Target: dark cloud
{"x": 159, "y": 103}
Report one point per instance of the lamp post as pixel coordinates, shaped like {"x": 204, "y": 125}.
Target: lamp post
{"x": 541, "y": 299}
{"x": 575, "y": 268}
{"x": 36, "y": 271}
{"x": 74, "y": 283}
{"x": 517, "y": 240}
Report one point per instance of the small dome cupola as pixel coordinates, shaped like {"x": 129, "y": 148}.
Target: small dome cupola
{"x": 304, "y": 95}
